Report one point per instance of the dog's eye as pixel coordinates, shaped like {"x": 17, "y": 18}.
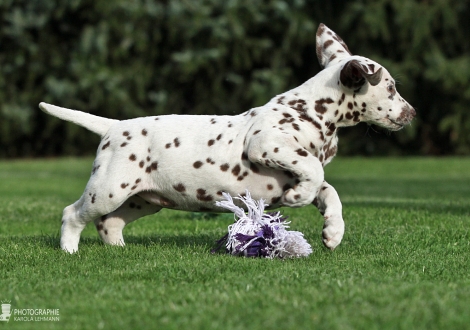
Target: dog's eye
{"x": 390, "y": 88}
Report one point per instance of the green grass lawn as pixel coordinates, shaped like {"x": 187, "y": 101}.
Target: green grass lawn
{"x": 403, "y": 264}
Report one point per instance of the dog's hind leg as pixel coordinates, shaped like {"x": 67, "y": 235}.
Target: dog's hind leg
{"x": 105, "y": 193}
{"x": 110, "y": 226}
{"x": 72, "y": 226}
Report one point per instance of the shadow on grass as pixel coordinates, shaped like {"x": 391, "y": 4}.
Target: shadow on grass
{"x": 204, "y": 240}
{"x": 180, "y": 241}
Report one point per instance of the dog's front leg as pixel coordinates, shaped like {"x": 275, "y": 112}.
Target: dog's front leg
{"x": 329, "y": 205}
{"x": 284, "y": 154}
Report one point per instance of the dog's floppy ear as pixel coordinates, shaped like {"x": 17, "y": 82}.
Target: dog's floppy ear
{"x": 354, "y": 74}
{"x": 330, "y": 47}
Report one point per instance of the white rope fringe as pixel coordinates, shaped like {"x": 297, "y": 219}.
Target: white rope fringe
{"x": 259, "y": 234}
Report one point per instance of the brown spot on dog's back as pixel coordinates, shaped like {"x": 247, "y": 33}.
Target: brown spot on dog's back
{"x": 132, "y": 157}
{"x": 126, "y": 133}
{"x": 197, "y": 164}
{"x": 224, "y": 167}
{"x": 210, "y": 142}
{"x": 176, "y": 142}
{"x": 236, "y": 170}
{"x": 123, "y": 144}
{"x": 179, "y": 187}
{"x": 202, "y": 196}
{"x": 302, "y": 152}
{"x": 144, "y": 132}
{"x": 124, "y": 185}
{"x": 141, "y": 164}
{"x": 106, "y": 145}
{"x": 154, "y": 166}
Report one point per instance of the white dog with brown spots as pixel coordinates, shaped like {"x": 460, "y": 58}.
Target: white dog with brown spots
{"x": 276, "y": 151}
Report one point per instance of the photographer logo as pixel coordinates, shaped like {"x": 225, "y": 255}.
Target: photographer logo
{"x": 28, "y": 314}
{"x": 6, "y": 307}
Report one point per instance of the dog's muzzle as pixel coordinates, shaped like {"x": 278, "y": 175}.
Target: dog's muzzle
{"x": 406, "y": 116}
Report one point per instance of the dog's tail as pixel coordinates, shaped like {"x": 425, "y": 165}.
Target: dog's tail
{"x": 98, "y": 125}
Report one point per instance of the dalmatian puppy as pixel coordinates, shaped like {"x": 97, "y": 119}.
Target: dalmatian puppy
{"x": 276, "y": 151}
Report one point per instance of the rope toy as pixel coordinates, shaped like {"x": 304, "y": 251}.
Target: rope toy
{"x": 259, "y": 234}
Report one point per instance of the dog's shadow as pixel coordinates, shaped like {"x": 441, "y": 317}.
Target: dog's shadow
{"x": 206, "y": 241}
{"x": 183, "y": 241}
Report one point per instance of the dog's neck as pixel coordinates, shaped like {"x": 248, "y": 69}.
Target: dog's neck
{"x": 321, "y": 99}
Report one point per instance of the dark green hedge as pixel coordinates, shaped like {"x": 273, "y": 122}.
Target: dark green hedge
{"x": 123, "y": 59}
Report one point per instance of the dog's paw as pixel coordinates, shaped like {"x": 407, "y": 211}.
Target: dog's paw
{"x": 69, "y": 248}
{"x": 296, "y": 198}
{"x": 69, "y": 237}
{"x": 333, "y": 231}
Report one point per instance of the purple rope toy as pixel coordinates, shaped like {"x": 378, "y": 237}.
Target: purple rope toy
{"x": 259, "y": 234}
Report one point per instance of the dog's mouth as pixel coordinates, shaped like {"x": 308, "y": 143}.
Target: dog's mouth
{"x": 396, "y": 125}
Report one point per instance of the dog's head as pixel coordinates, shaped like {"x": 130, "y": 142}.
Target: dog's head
{"x": 371, "y": 85}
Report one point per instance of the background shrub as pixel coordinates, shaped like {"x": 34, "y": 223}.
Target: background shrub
{"x": 123, "y": 59}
